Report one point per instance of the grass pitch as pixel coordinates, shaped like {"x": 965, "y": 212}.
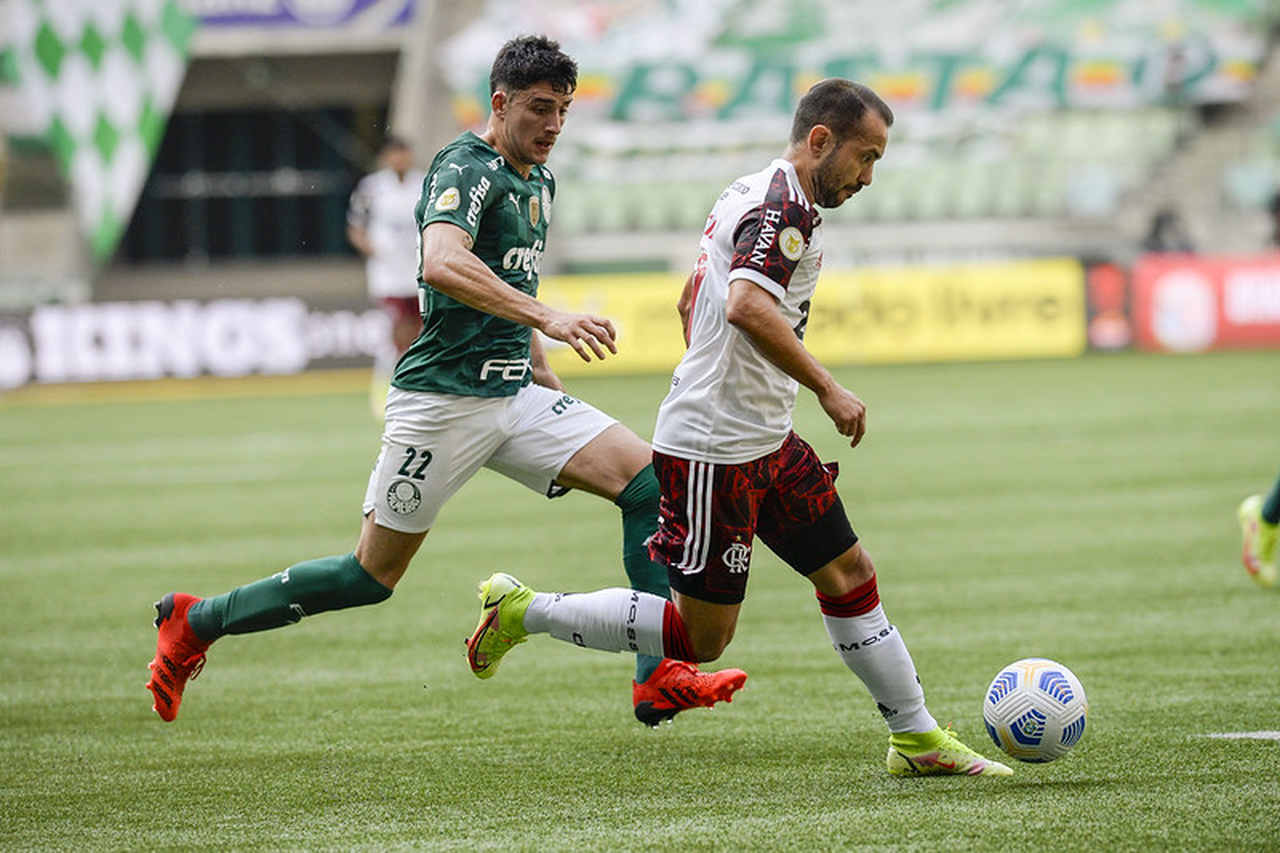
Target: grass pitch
{"x": 1080, "y": 510}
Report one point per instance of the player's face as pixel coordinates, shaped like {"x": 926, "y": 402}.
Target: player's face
{"x": 531, "y": 122}
{"x": 398, "y": 159}
{"x": 847, "y": 168}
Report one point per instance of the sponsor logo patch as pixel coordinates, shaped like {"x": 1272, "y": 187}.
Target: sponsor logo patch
{"x": 449, "y": 199}
{"x": 791, "y": 242}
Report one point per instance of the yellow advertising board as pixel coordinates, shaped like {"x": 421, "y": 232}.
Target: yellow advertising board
{"x": 1019, "y": 309}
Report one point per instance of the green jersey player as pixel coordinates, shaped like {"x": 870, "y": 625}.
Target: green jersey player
{"x": 474, "y": 390}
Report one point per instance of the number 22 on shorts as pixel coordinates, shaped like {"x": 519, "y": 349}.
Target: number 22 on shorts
{"x": 415, "y": 463}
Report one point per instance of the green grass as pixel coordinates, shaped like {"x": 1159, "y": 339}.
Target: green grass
{"x": 1081, "y": 510}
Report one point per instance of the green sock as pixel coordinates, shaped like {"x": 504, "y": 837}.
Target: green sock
{"x": 329, "y": 583}
{"x": 1271, "y": 506}
{"x": 639, "y": 505}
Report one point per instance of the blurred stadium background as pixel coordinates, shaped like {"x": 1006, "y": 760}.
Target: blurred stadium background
{"x": 1064, "y": 177}
{"x": 1048, "y": 157}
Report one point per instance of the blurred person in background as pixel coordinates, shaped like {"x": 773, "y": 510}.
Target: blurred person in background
{"x": 1259, "y": 521}
{"x": 473, "y": 390}
{"x": 1167, "y": 233}
{"x": 729, "y": 463}
{"x": 380, "y": 226}
{"x": 1273, "y": 208}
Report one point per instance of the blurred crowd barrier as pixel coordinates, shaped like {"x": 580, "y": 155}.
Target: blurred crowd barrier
{"x": 1047, "y": 308}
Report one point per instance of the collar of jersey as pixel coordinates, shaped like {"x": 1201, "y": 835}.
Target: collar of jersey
{"x": 476, "y": 138}
{"x": 783, "y": 163}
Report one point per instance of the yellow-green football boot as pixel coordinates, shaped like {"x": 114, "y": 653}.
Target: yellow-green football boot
{"x": 1259, "y": 551}
{"x": 503, "y": 601}
{"x": 938, "y": 753}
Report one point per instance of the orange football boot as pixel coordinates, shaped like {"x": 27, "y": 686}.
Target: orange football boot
{"x": 676, "y": 686}
{"x": 179, "y": 654}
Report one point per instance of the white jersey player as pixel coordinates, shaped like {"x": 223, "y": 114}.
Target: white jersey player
{"x": 728, "y": 403}
{"x": 381, "y": 226}
{"x": 730, "y": 468}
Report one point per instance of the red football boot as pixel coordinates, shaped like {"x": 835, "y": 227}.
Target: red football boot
{"x": 676, "y": 686}
{"x": 179, "y": 654}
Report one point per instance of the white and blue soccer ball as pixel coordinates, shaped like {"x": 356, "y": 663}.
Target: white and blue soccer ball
{"x": 1035, "y": 709}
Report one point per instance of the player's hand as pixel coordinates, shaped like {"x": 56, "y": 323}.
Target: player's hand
{"x": 586, "y": 333}
{"x": 846, "y": 411}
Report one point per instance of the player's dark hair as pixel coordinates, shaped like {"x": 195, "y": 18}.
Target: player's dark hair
{"x": 526, "y": 60}
{"x": 838, "y": 104}
{"x": 395, "y": 143}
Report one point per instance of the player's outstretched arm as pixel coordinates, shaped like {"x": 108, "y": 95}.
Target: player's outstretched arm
{"x": 754, "y": 310}
{"x": 449, "y": 265}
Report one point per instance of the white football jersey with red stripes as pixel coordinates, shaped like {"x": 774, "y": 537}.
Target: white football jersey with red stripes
{"x": 728, "y": 403}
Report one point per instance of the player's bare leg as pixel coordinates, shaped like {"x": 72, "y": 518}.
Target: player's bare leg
{"x": 607, "y": 463}
{"x": 386, "y": 553}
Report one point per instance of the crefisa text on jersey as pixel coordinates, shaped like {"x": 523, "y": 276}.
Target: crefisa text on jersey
{"x": 525, "y": 258}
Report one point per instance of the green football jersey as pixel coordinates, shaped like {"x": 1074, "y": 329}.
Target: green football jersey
{"x": 462, "y": 350}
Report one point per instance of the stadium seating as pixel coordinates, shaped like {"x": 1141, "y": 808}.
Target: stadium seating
{"x": 1072, "y": 163}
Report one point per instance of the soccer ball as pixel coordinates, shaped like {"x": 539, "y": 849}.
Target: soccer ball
{"x": 1035, "y": 709}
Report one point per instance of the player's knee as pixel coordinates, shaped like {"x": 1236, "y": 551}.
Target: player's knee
{"x": 845, "y": 573}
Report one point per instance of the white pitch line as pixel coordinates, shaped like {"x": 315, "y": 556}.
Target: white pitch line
{"x": 1245, "y": 735}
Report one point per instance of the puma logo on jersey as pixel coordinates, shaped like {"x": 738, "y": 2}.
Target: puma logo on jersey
{"x": 458, "y": 167}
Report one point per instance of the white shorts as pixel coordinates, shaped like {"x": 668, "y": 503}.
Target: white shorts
{"x": 433, "y": 443}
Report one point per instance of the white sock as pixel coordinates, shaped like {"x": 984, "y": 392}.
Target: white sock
{"x": 874, "y": 651}
{"x": 612, "y": 620}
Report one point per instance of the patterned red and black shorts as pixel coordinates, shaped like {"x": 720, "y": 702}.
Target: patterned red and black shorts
{"x": 709, "y": 515}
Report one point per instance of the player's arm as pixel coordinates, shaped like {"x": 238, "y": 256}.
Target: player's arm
{"x": 449, "y": 265}
{"x": 754, "y": 311}
{"x": 542, "y": 372}
{"x": 358, "y": 211}
{"x": 685, "y": 307}
{"x": 359, "y": 239}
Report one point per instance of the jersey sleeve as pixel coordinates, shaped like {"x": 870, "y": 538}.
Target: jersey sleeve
{"x": 360, "y": 207}
{"x": 459, "y": 190}
{"x": 770, "y": 239}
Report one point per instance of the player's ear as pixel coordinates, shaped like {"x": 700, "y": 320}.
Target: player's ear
{"x": 820, "y": 140}
{"x": 498, "y": 102}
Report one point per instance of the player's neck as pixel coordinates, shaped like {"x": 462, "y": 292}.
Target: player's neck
{"x": 806, "y": 174}
{"x": 491, "y": 138}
